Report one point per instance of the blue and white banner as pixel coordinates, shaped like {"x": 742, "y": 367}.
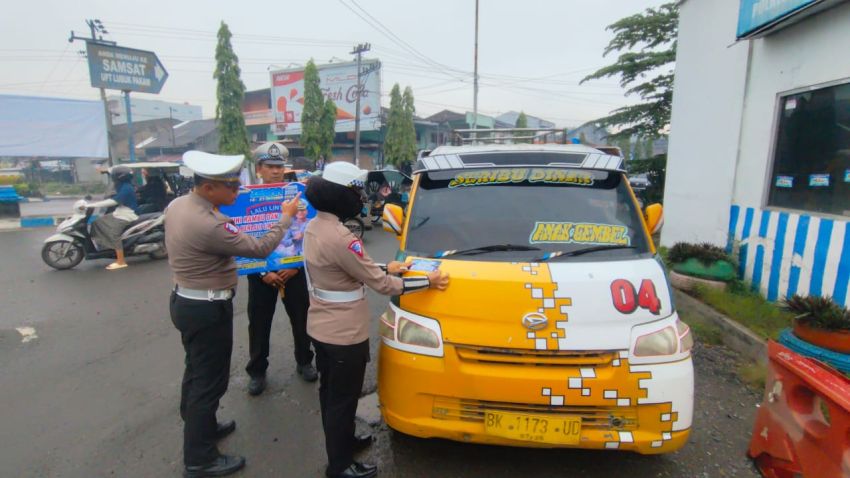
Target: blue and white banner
{"x": 256, "y": 210}
{"x": 784, "y": 253}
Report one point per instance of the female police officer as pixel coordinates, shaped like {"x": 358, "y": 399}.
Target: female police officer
{"x": 338, "y": 269}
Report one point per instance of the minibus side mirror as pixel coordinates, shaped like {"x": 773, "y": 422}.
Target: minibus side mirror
{"x": 393, "y": 218}
{"x": 654, "y": 215}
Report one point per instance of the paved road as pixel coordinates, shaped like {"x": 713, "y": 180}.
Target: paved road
{"x": 52, "y": 207}
{"x": 96, "y": 393}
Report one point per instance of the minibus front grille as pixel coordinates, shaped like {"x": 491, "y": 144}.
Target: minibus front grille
{"x": 471, "y": 353}
{"x": 608, "y": 418}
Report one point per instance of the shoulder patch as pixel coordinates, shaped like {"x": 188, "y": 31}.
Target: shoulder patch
{"x": 356, "y": 247}
{"x": 229, "y": 227}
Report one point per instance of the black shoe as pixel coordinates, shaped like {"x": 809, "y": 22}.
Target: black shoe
{"x": 257, "y": 385}
{"x": 223, "y": 429}
{"x": 221, "y": 466}
{"x": 356, "y": 470}
{"x": 361, "y": 442}
{"x": 307, "y": 372}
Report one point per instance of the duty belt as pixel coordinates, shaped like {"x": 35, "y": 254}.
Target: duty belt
{"x": 338, "y": 296}
{"x": 204, "y": 294}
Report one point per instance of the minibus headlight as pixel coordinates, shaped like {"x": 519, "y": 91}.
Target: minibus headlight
{"x": 686, "y": 339}
{"x": 412, "y": 333}
{"x": 662, "y": 342}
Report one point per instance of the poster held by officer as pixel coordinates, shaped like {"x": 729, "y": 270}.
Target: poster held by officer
{"x": 256, "y": 209}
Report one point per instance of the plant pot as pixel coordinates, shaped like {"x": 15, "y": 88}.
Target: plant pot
{"x": 835, "y": 340}
{"x": 716, "y": 271}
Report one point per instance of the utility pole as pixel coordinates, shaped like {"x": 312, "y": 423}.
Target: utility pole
{"x": 171, "y": 125}
{"x": 95, "y": 27}
{"x": 358, "y": 50}
{"x": 475, "y": 77}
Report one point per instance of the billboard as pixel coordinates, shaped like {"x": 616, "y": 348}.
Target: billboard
{"x": 338, "y": 82}
{"x": 52, "y": 127}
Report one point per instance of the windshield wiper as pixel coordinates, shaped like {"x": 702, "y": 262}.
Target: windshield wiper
{"x": 483, "y": 249}
{"x": 579, "y": 252}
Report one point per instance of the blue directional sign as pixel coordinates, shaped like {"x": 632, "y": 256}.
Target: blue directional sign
{"x": 126, "y": 69}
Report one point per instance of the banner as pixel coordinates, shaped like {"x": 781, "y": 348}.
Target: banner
{"x": 52, "y": 127}
{"x": 339, "y": 83}
{"x": 256, "y": 210}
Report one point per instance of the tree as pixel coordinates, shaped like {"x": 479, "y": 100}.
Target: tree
{"x": 647, "y": 45}
{"x": 522, "y": 122}
{"x": 311, "y": 117}
{"x": 400, "y": 141}
{"x": 230, "y": 91}
{"x": 327, "y": 129}
{"x": 410, "y": 144}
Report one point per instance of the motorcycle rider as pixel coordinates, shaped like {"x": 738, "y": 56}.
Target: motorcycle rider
{"x": 106, "y": 231}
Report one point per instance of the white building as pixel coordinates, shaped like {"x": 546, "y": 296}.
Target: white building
{"x": 759, "y": 156}
{"x": 144, "y": 109}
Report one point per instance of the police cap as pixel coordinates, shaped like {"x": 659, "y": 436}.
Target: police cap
{"x": 271, "y": 153}
{"x": 215, "y": 167}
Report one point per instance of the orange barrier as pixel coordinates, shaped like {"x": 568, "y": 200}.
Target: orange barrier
{"x": 803, "y": 425}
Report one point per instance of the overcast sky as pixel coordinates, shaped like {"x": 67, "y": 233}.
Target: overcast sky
{"x": 532, "y": 53}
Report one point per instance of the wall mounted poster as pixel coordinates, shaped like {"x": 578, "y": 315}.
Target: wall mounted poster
{"x": 257, "y": 208}
{"x": 819, "y": 180}
{"x": 785, "y": 181}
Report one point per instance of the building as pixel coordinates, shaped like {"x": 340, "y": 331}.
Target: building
{"x": 145, "y": 109}
{"x": 142, "y": 131}
{"x": 201, "y": 135}
{"x": 759, "y": 152}
{"x": 533, "y": 121}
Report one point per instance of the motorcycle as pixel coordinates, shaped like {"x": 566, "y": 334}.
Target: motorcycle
{"x": 72, "y": 242}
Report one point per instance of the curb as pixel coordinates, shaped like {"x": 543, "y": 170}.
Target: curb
{"x": 30, "y": 222}
{"x": 735, "y": 336}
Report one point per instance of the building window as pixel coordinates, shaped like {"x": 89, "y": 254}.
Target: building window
{"x": 811, "y": 164}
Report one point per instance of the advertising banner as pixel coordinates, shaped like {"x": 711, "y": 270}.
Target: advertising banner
{"x": 338, "y": 82}
{"x": 257, "y": 208}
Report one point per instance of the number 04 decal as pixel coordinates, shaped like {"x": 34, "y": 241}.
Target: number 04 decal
{"x": 626, "y": 300}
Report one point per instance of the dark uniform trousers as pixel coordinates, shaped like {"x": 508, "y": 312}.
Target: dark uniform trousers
{"x": 206, "y": 329}
{"x": 262, "y": 301}
{"x": 341, "y": 371}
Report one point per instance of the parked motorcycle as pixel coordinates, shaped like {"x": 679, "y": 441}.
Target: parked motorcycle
{"x": 72, "y": 242}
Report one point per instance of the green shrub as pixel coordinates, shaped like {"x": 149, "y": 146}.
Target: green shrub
{"x": 705, "y": 253}
{"x": 818, "y": 312}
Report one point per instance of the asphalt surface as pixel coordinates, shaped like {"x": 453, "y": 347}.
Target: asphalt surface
{"x": 89, "y": 387}
{"x": 50, "y": 207}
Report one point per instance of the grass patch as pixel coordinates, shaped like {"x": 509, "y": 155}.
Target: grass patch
{"x": 705, "y": 333}
{"x": 753, "y": 374}
{"x": 748, "y": 308}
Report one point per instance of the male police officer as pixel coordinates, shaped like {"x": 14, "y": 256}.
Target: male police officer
{"x": 264, "y": 288}
{"x": 201, "y": 243}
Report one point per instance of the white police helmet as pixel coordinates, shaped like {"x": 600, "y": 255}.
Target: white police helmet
{"x": 214, "y": 166}
{"x": 345, "y": 174}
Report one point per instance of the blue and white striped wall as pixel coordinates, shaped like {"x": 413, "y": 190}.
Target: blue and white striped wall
{"x": 783, "y": 253}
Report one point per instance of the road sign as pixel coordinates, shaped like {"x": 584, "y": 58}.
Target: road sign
{"x": 125, "y": 69}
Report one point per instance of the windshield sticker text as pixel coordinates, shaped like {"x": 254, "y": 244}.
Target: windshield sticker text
{"x": 579, "y": 233}
{"x": 518, "y": 175}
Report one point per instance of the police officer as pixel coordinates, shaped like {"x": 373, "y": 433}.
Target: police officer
{"x": 264, "y": 289}
{"x": 338, "y": 270}
{"x": 201, "y": 243}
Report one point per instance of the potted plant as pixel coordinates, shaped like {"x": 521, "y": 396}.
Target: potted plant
{"x": 704, "y": 264}
{"x": 820, "y": 321}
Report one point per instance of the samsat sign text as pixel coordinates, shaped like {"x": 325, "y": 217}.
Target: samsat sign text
{"x": 337, "y": 82}
{"x": 125, "y": 69}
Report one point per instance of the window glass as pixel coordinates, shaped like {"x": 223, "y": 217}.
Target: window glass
{"x": 811, "y": 165}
